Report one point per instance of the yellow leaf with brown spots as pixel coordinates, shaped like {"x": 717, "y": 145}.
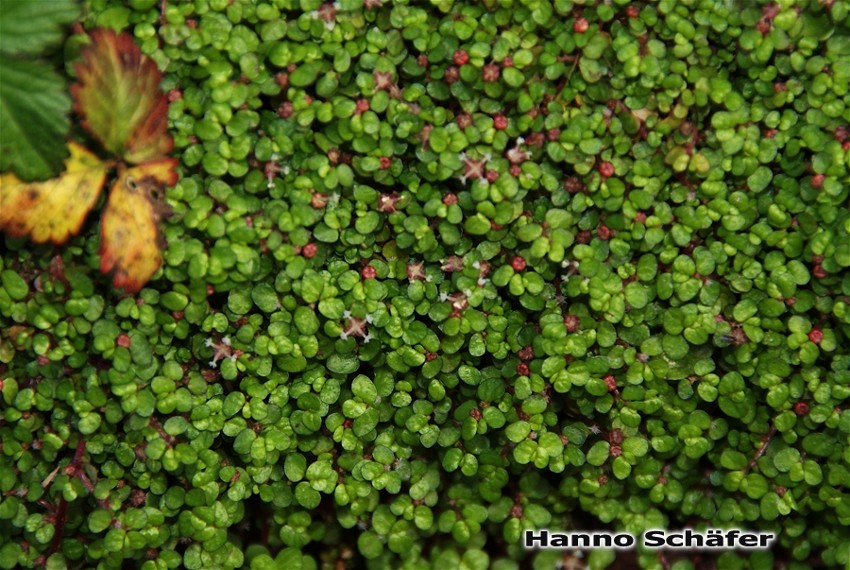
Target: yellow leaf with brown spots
{"x": 130, "y": 240}
{"x": 53, "y": 210}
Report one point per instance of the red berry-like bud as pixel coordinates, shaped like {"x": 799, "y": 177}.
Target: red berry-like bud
{"x": 460, "y": 57}
{"x": 450, "y": 199}
{"x": 492, "y": 176}
{"x": 611, "y": 382}
{"x": 422, "y": 60}
{"x": 174, "y": 95}
{"x": 801, "y": 408}
{"x": 522, "y": 369}
{"x": 508, "y": 61}
{"x": 770, "y": 133}
{"x": 309, "y": 250}
{"x": 285, "y": 110}
{"x": 464, "y": 120}
{"x": 606, "y": 169}
{"x": 475, "y": 414}
{"x": 632, "y": 11}
{"x": 318, "y": 200}
{"x": 572, "y": 322}
{"x": 386, "y": 162}
{"x": 526, "y": 353}
{"x": 640, "y": 217}
{"x": 515, "y": 170}
{"x": 616, "y": 451}
{"x": 573, "y": 185}
{"x": 770, "y": 11}
{"x": 603, "y": 231}
{"x": 500, "y": 122}
{"x": 816, "y": 335}
{"x": 780, "y": 87}
{"x": 817, "y": 181}
{"x": 763, "y": 26}
{"x": 490, "y": 72}
{"x": 362, "y": 106}
{"x": 123, "y": 340}
{"x": 615, "y": 436}
{"x": 553, "y": 134}
{"x": 518, "y": 263}
{"x": 451, "y": 75}
{"x": 369, "y": 272}
{"x": 580, "y": 26}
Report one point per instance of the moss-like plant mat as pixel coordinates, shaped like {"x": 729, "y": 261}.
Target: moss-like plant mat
{"x": 437, "y": 273}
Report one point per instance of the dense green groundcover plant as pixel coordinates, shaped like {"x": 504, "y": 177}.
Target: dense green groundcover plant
{"x": 442, "y": 272}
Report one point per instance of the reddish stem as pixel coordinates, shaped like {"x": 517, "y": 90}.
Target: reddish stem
{"x": 765, "y": 441}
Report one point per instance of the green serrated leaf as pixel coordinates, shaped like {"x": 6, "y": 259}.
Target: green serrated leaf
{"x": 32, "y": 27}
{"x": 34, "y": 107}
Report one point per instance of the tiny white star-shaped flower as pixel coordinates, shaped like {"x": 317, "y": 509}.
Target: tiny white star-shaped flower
{"x": 520, "y": 140}
{"x": 487, "y": 157}
{"x": 226, "y": 340}
{"x": 343, "y": 336}
{"x": 444, "y": 297}
{"x": 212, "y": 363}
{"x": 476, "y": 264}
{"x": 369, "y": 319}
{"x": 346, "y": 314}
{"x": 208, "y": 342}
{"x": 428, "y": 278}
{"x": 367, "y": 338}
{"x": 482, "y": 281}
{"x": 462, "y": 156}
{"x": 232, "y": 358}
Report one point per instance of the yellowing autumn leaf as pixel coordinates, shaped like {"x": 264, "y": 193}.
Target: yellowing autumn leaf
{"x": 118, "y": 95}
{"x": 53, "y": 210}
{"x": 129, "y": 229}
